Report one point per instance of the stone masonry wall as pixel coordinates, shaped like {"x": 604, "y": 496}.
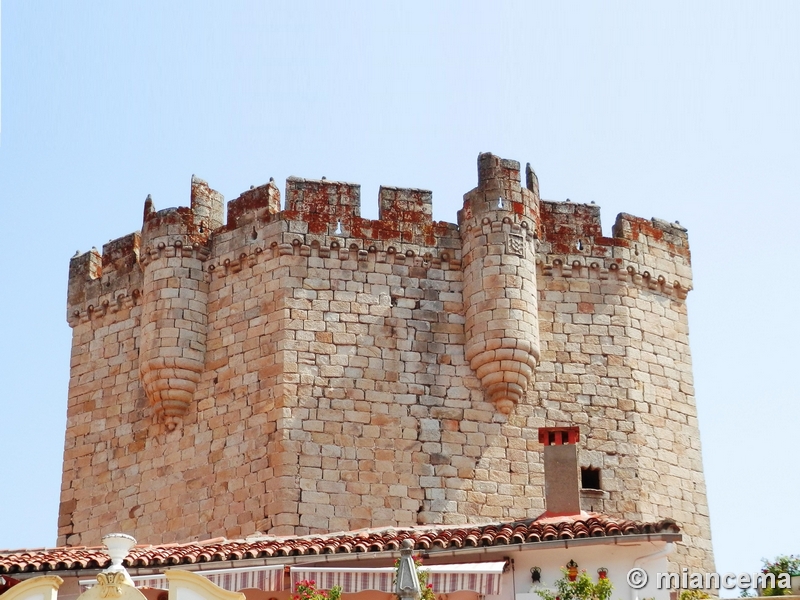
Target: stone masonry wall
{"x": 336, "y": 391}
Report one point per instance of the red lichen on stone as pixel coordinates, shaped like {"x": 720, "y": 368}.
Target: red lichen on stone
{"x": 265, "y": 199}
{"x": 668, "y": 236}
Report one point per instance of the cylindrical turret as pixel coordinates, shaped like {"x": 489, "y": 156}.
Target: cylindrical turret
{"x": 174, "y": 310}
{"x": 498, "y": 229}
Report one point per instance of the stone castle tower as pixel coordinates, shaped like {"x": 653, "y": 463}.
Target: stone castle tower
{"x": 307, "y": 370}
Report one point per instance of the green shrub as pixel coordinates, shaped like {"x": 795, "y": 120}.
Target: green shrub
{"x": 782, "y": 565}
{"x": 583, "y": 588}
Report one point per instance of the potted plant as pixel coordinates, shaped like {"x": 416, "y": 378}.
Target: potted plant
{"x": 579, "y": 586}
{"x": 783, "y": 567}
{"x": 307, "y": 590}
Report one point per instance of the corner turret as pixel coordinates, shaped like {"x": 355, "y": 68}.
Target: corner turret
{"x": 175, "y": 298}
{"x": 498, "y": 231}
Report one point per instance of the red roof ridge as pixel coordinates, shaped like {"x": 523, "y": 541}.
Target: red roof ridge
{"x": 43, "y": 549}
{"x": 362, "y": 541}
{"x": 547, "y": 517}
{"x": 362, "y": 533}
{"x": 216, "y": 540}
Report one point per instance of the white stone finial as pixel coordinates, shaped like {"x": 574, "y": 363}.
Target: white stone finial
{"x": 118, "y": 546}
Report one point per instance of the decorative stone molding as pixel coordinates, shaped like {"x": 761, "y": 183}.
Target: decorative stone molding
{"x": 37, "y": 588}
{"x": 185, "y": 585}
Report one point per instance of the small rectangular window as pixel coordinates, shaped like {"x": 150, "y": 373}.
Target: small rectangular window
{"x": 590, "y": 478}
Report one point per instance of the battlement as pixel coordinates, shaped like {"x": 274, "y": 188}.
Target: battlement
{"x": 499, "y": 189}
{"x": 98, "y": 280}
{"x": 326, "y": 212}
{"x": 333, "y": 208}
{"x": 651, "y": 252}
{"x": 567, "y": 225}
{"x": 327, "y": 215}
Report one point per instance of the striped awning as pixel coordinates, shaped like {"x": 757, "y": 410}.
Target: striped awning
{"x": 483, "y": 578}
{"x": 269, "y": 579}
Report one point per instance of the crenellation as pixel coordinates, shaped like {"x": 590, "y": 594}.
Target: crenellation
{"x": 300, "y": 370}
{"x": 121, "y": 256}
{"x": 84, "y": 269}
{"x": 329, "y": 207}
{"x": 256, "y": 204}
{"x": 102, "y": 283}
{"x": 653, "y": 254}
{"x": 207, "y": 206}
{"x": 405, "y": 214}
{"x": 569, "y": 227}
{"x": 656, "y": 233}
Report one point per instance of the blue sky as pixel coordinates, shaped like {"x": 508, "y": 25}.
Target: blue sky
{"x": 678, "y": 110}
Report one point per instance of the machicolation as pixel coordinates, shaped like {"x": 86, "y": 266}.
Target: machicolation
{"x": 307, "y": 370}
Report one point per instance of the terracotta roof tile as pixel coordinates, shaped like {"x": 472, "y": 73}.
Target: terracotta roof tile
{"x": 364, "y": 541}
